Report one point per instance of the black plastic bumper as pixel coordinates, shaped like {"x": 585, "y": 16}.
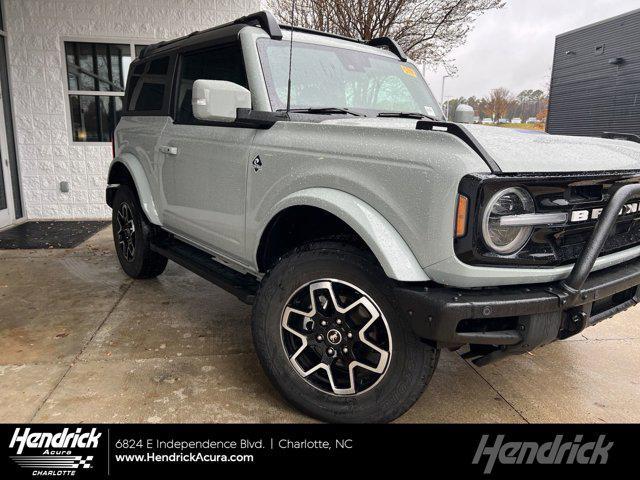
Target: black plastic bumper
{"x": 457, "y": 317}
{"x": 507, "y": 320}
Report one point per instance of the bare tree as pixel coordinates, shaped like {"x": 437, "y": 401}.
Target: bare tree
{"x": 498, "y": 103}
{"x": 427, "y": 30}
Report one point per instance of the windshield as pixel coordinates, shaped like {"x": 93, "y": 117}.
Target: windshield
{"x": 324, "y": 76}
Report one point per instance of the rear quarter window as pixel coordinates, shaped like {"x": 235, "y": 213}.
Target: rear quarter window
{"x": 149, "y": 87}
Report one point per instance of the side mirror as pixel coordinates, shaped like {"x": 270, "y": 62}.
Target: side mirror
{"x": 217, "y": 100}
{"x": 464, "y": 114}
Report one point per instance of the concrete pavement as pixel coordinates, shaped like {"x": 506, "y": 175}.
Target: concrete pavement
{"x": 81, "y": 342}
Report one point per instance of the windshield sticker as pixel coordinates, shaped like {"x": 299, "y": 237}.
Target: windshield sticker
{"x": 409, "y": 71}
{"x": 430, "y": 110}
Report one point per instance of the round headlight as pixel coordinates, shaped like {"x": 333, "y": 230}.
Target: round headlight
{"x": 506, "y": 239}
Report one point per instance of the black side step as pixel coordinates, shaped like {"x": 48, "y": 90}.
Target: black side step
{"x": 242, "y": 286}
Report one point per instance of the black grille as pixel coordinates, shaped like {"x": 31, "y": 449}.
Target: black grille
{"x": 570, "y": 242}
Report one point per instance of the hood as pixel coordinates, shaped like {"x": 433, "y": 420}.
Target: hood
{"x": 528, "y": 151}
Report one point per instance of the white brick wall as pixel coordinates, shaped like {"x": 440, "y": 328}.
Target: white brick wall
{"x": 46, "y": 154}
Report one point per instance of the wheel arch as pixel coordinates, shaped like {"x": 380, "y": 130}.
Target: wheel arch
{"x": 126, "y": 169}
{"x": 372, "y": 229}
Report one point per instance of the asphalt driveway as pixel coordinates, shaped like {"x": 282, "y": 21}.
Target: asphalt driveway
{"x": 81, "y": 342}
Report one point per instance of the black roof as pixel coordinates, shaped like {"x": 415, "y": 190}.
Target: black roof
{"x": 265, "y": 20}
{"x": 268, "y": 23}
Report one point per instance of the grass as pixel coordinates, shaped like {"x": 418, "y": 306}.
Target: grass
{"x": 525, "y": 126}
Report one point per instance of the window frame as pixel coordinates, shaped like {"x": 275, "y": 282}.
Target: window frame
{"x": 132, "y": 42}
{"x": 195, "y": 49}
{"x": 14, "y": 192}
{"x": 167, "y": 99}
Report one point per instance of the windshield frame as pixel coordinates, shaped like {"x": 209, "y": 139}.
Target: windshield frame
{"x": 263, "y": 43}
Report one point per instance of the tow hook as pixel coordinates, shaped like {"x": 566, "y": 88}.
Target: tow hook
{"x": 574, "y": 322}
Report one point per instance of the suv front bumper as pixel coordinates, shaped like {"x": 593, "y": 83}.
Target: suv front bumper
{"x": 509, "y": 320}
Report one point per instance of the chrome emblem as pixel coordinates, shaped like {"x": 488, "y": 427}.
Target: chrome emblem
{"x": 594, "y": 213}
{"x": 334, "y": 336}
{"x": 257, "y": 164}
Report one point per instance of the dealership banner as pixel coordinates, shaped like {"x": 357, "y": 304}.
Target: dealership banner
{"x": 115, "y": 451}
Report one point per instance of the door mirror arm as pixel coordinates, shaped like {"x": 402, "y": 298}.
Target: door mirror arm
{"x": 259, "y": 119}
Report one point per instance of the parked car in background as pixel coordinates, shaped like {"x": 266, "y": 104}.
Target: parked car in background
{"x": 533, "y": 120}
{"x": 516, "y": 120}
{"x": 487, "y": 121}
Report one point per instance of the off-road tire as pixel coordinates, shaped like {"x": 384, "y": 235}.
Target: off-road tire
{"x": 140, "y": 261}
{"x": 411, "y": 362}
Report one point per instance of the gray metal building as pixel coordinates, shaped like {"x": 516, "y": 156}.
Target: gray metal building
{"x": 595, "y": 83}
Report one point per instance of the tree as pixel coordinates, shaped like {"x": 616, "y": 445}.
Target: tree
{"x": 427, "y": 30}
{"x": 543, "y": 111}
{"x": 531, "y": 103}
{"x": 497, "y": 104}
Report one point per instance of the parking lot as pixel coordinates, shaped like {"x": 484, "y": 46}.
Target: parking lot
{"x": 81, "y": 342}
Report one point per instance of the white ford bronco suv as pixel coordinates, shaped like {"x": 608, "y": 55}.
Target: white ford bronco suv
{"x": 316, "y": 178}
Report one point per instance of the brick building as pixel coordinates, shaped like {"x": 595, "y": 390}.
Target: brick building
{"x": 63, "y": 68}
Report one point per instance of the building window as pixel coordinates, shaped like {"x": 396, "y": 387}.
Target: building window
{"x": 96, "y": 78}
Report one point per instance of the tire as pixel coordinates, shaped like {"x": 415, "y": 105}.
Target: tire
{"x": 380, "y": 393}
{"x": 132, "y": 244}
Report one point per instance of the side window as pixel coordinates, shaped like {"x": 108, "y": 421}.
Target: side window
{"x": 223, "y": 63}
{"x": 148, "y": 86}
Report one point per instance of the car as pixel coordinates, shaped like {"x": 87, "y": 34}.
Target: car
{"x": 488, "y": 121}
{"x": 315, "y": 177}
{"x": 516, "y": 120}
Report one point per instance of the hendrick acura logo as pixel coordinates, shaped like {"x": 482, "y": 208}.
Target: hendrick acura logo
{"x": 594, "y": 213}
{"x": 54, "y": 450}
{"x": 556, "y": 452}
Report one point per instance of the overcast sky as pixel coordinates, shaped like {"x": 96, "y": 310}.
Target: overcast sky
{"x": 513, "y": 47}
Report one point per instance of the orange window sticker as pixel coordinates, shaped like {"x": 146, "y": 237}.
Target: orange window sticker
{"x": 408, "y": 70}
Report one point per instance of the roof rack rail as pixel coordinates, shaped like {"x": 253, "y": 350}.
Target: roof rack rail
{"x": 320, "y": 32}
{"x": 391, "y": 44}
{"x": 263, "y": 19}
{"x": 146, "y": 51}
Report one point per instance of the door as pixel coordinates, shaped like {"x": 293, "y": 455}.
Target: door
{"x": 6, "y": 197}
{"x": 204, "y": 166}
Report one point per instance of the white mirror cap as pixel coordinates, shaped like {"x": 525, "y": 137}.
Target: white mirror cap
{"x": 217, "y": 100}
{"x": 464, "y": 114}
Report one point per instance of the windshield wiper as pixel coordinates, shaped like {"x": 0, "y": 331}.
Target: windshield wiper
{"x": 417, "y": 115}
{"x": 323, "y": 110}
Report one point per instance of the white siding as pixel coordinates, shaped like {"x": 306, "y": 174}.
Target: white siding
{"x": 35, "y": 29}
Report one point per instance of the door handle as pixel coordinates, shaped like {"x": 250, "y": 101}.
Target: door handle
{"x": 169, "y": 150}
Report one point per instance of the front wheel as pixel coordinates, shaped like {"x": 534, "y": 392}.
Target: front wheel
{"x": 331, "y": 338}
